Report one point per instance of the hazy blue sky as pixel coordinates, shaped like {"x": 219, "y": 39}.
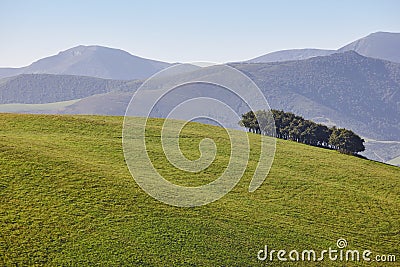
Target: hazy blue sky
{"x": 184, "y": 31}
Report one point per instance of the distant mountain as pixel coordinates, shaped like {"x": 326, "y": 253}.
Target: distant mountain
{"x": 94, "y": 61}
{"x": 292, "y": 54}
{"x": 112, "y": 103}
{"x": 382, "y": 45}
{"x": 110, "y": 63}
{"x": 47, "y": 88}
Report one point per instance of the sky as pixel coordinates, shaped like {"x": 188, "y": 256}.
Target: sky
{"x": 187, "y": 31}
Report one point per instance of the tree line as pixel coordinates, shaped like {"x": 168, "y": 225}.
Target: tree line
{"x": 288, "y": 126}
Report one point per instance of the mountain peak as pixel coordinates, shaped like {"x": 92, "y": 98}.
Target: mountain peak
{"x": 96, "y": 61}
{"x": 349, "y": 54}
{"x": 382, "y": 45}
{"x": 82, "y": 49}
{"x": 382, "y": 33}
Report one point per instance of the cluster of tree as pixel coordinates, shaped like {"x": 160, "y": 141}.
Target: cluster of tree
{"x": 286, "y": 125}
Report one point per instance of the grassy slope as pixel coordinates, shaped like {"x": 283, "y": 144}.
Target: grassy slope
{"x": 67, "y": 198}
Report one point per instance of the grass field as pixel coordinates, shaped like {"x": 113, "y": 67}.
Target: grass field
{"x": 68, "y": 199}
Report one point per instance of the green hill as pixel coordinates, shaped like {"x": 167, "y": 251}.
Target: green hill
{"x": 68, "y": 199}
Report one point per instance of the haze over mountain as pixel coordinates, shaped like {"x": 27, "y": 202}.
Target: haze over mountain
{"x": 94, "y": 61}
{"x": 291, "y": 54}
{"x": 381, "y": 45}
{"x": 110, "y": 63}
{"x": 47, "y": 88}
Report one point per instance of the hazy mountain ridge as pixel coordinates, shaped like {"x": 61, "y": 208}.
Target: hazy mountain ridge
{"x": 47, "y": 88}
{"x": 110, "y": 63}
{"x": 380, "y": 45}
{"x": 112, "y": 103}
{"x": 94, "y": 61}
{"x": 291, "y": 54}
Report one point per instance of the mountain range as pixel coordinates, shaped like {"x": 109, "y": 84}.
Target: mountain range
{"x": 109, "y": 63}
{"x": 381, "y": 45}
{"x": 94, "y": 61}
{"x": 356, "y": 86}
{"x": 291, "y": 54}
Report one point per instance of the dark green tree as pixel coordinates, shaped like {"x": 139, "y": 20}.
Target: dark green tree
{"x": 249, "y": 121}
{"x": 266, "y": 122}
{"x": 286, "y": 125}
{"x": 346, "y": 141}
